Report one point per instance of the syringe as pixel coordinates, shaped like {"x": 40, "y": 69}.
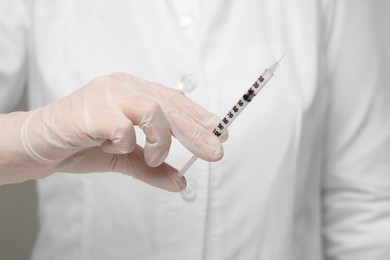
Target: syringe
{"x": 237, "y": 108}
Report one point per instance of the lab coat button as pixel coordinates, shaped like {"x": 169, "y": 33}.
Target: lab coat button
{"x": 189, "y": 193}
{"x": 186, "y": 21}
{"x": 187, "y": 83}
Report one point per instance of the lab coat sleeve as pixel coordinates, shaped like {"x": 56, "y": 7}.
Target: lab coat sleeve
{"x": 356, "y": 191}
{"x": 14, "y": 19}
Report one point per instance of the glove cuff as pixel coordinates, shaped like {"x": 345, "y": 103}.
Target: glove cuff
{"x": 26, "y": 144}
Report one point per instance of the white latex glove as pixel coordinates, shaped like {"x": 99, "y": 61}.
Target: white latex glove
{"x": 92, "y": 130}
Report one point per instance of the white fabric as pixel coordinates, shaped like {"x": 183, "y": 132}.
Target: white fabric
{"x": 306, "y": 172}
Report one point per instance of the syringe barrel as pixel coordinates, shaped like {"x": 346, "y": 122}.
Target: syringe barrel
{"x": 237, "y": 108}
{"x": 242, "y": 103}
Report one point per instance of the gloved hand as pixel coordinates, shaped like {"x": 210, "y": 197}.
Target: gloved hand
{"x": 93, "y": 130}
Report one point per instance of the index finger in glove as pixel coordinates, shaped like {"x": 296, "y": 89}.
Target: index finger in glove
{"x": 205, "y": 118}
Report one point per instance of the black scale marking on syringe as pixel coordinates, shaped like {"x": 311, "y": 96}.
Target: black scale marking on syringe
{"x": 231, "y": 115}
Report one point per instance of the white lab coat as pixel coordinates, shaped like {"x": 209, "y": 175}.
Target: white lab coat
{"x": 306, "y": 172}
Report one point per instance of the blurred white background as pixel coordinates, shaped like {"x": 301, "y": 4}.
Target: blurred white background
{"x": 18, "y": 202}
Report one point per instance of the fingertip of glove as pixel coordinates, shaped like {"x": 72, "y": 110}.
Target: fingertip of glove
{"x": 224, "y": 136}
{"x": 155, "y": 157}
{"x": 212, "y": 149}
{"x": 217, "y": 155}
{"x": 179, "y": 181}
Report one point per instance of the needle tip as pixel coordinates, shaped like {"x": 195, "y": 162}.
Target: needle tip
{"x": 284, "y": 55}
